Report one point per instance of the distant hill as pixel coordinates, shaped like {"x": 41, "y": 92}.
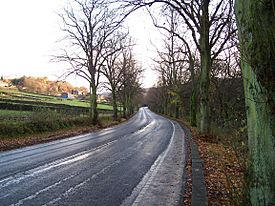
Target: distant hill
{"x": 42, "y": 85}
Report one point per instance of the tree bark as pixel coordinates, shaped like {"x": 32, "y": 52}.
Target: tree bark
{"x": 114, "y": 104}
{"x": 205, "y": 54}
{"x": 124, "y": 109}
{"x": 130, "y": 106}
{"x": 261, "y": 142}
{"x": 193, "y": 110}
{"x": 94, "y": 112}
{"x": 193, "y": 98}
{"x": 258, "y": 95}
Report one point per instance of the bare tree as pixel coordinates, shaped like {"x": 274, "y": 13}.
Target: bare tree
{"x": 175, "y": 27}
{"x": 88, "y": 25}
{"x": 130, "y": 89}
{"x": 208, "y": 23}
{"x": 172, "y": 66}
{"x": 115, "y": 65}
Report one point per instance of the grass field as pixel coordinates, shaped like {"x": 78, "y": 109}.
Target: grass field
{"x": 31, "y": 97}
{"x": 23, "y": 113}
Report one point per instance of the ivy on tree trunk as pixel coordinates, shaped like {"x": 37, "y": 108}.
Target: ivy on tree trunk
{"x": 256, "y": 27}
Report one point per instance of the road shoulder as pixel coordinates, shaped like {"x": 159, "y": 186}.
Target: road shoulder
{"x": 166, "y": 187}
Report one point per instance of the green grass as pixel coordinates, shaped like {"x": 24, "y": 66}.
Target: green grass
{"x": 12, "y": 113}
{"x": 21, "y": 123}
{"x": 18, "y": 95}
{"x": 13, "y": 117}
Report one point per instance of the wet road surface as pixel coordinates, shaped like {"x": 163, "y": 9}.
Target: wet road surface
{"x": 140, "y": 162}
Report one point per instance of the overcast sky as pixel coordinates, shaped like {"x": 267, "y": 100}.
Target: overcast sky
{"x": 30, "y": 29}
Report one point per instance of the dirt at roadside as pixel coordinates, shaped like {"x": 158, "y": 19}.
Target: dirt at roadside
{"x": 224, "y": 171}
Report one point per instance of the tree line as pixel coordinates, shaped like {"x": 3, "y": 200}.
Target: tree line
{"x": 42, "y": 85}
{"x": 211, "y": 48}
{"x": 99, "y": 49}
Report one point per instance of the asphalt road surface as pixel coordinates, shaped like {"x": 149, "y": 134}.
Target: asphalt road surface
{"x": 140, "y": 162}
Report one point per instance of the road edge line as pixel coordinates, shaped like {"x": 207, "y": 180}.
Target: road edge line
{"x": 139, "y": 191}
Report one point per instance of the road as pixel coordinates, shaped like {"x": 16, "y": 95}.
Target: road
{"x": 139, "y": 162}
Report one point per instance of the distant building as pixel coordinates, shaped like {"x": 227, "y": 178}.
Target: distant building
{"x": 75, "y": 92}
{"x": 66, "y": 95}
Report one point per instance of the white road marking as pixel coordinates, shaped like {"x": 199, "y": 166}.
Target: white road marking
{"x": 147, "y": 179}
{"x": 15, "y": 179}
{"x": 141, "y": 188}
{"x": 21, "y": 202}
{"x": 81, "y": 184}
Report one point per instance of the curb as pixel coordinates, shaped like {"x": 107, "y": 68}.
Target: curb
{"x": 199, "y": 193}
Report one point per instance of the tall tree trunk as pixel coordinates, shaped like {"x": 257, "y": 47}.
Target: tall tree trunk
{"x": 164, "y": 101}
{"x": 193, "y": 110}
{"x": 94, "y": 112}
{"x": 193, "y": 98}
{"x": 256, "y": 28}
{"x": 91, "y": 101}
{"x": 177, "y": 111}
{"x": 130, "y": 105}
{"x": 114, "y": 104}
{"x": 205, "y": 54}
{"x": 124, "y": 109}
{"x": 165, "y": 106}
{"x": 126, "y": 106}
{"x": 261, "y": 142}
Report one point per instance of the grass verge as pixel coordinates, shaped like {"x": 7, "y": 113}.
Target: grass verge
{"x": 9, "y": 143}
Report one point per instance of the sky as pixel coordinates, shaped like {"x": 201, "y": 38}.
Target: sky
{"x": 30, "y": 30}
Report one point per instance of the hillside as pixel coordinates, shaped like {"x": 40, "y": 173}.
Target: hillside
{"x": 41, "y": 85}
